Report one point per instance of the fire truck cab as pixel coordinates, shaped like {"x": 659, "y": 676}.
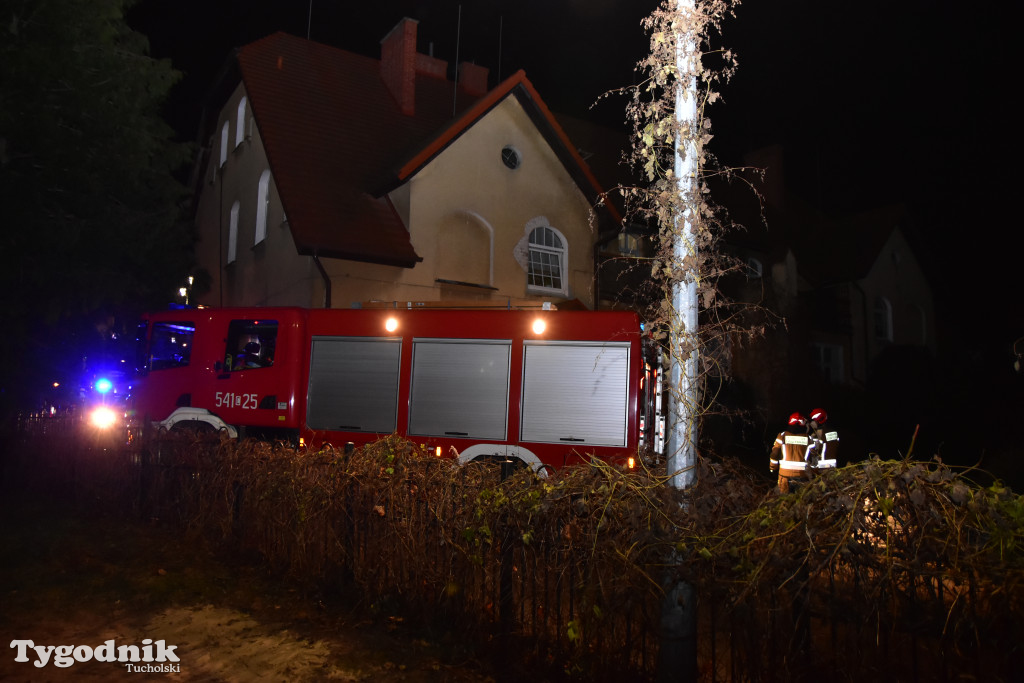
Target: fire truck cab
{"x": 547, "y": 387}
{"x": 223, "y": 370}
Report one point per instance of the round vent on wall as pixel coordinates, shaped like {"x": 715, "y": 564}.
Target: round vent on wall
{"x": 510, "y": 157}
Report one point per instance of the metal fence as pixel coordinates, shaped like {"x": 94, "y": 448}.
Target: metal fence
{"x": 565, "y": 589}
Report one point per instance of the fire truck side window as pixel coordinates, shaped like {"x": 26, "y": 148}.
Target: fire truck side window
{"x": 170, "y": 345}
{"x": 250, "y": 344}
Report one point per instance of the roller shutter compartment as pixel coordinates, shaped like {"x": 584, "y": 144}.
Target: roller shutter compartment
{"x": 459, "y": 388}
{"x": 575, "y": 393}
{"x": 353, "y": 384}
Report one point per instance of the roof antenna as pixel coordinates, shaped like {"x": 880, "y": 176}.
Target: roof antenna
{"x": 458, "y": 33}
{"x": 309, "y": 19}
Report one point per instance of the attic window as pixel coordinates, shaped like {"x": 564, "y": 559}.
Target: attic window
{"x": 510, "y": 157}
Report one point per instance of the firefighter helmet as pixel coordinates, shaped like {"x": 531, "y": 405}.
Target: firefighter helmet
{"x": 819, "y": 415}
{"x": 796, "y": 419}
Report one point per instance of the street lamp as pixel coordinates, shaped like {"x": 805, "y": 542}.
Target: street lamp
{"x": 184, "y": 292}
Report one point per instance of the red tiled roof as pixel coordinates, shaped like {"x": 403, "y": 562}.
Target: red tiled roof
{"x": 337, "y": 140}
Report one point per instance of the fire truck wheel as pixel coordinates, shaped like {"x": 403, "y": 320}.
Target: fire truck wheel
{"x": 489, "y": 467}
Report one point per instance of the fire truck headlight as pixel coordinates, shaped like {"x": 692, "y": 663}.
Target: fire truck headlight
{"x": 539, "y": 326}
{"x": 391, "y": 324}
{"x": 103, "y": 418}
{"x": 631, "y": 464}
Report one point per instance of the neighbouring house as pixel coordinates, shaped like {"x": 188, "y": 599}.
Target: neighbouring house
{"x": 856, "y": 304}
{"x": 855, "y": 282}
{"x": 848, "y": 302}
{"x": 334, "y": 179}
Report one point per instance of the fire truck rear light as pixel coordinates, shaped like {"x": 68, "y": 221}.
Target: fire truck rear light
{"x": 302, "y": 442}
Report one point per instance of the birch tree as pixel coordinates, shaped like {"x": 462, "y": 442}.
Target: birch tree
{"x": 668, "y": 111}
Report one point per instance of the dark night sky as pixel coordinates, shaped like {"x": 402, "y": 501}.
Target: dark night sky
{"x": 875, "y": 102}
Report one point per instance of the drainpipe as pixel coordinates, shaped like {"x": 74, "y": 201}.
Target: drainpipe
{"x": 326, "y": 278}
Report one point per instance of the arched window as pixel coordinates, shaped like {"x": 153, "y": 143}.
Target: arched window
{"x": 547, "y": 261}
{"x": 240, "y": 123}
{"x": 262, "y": 207}
{"x": 883, "y": 319}
{"x": 233, "y": 233}
{"x": 224, "y": 143}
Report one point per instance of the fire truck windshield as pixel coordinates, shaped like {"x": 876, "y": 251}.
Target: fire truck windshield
{"x": 170, "y": 345}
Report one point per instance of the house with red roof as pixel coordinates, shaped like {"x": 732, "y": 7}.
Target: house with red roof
{"x": 332, "y": 179}
{"x": 854, "y": 296}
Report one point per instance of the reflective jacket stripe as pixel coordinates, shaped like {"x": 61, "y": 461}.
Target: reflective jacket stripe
{"x": 792, "y": 465}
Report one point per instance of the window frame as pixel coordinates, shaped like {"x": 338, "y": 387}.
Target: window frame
{"x": 560, "y": 253}
{"x": 834, "y": 372}
{"x": 511, "y": 158}
{"x": 224, "y": 135}
{"x": 883, "y": 319}
{"x": 630, "y": 244}
{"x": 240, "y": 122}
{"x": 232, "y": 255}
{"x": 262, "y": 208}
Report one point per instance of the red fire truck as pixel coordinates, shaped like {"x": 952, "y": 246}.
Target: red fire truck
{"x": 547, "y": 387}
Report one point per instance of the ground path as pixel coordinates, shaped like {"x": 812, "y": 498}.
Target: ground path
{"x": 73, "y": 579}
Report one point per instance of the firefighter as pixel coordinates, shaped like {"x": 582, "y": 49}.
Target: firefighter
{"x": 250, "y": 353}
{"x": 789, "y": 452}
{"x": 824, "y": 444}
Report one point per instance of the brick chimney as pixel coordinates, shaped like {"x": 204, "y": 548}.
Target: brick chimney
{"x": 473, "y": 78}
{"x": 398, "y": 64}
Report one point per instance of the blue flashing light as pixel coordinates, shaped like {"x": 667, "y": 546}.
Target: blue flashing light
{"x": 103, "y": 385}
